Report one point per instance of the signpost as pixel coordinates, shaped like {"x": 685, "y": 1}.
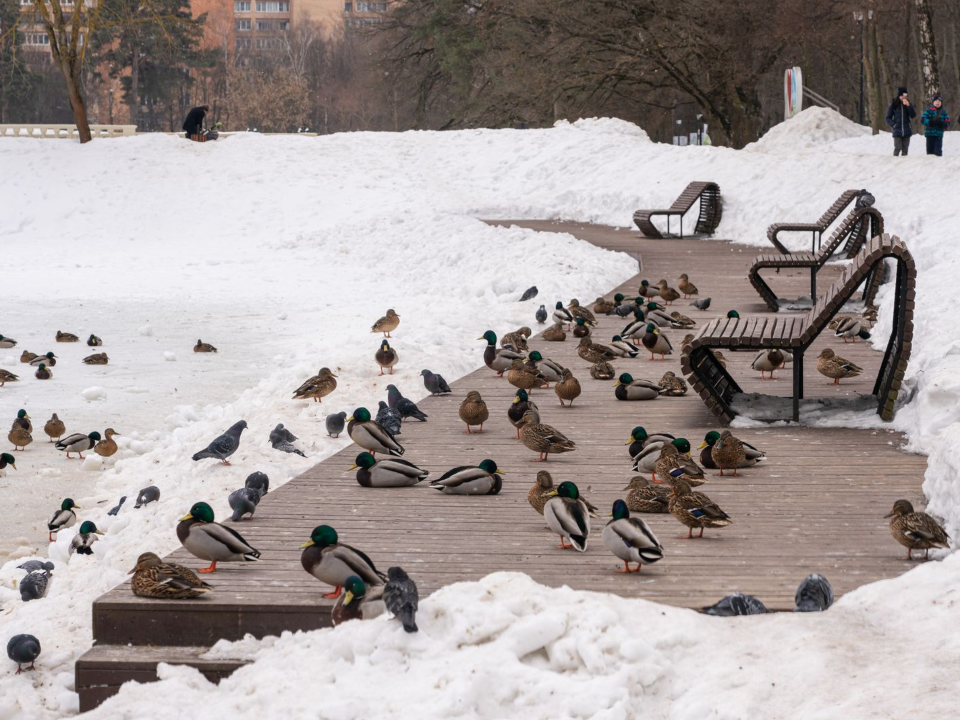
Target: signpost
{"x": 792, "y": 92}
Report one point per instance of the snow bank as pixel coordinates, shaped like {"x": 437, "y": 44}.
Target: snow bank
{"x": 811, "y": 129}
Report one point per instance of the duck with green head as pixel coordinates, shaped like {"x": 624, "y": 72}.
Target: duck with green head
{"x": 386, "y": 357}
{"x": 624, "y": 348}
{"x": 629, "y": 389}
{"x": 82, "y": 543}
{"x": 357, "y": 602}
{"x": 656, "y": 315}
{"x": 211, "y": 541}
{"x": 568, "y": 516}
{"x": 655, "y": 342}
{"x": 581, "y": 328}
{"x": 562, "y": 316}
{"x": 43, "y": 373}
{"x": 48, "y": 359}
{"x": 78, "y": 443}
{"x": 7, "y": 342}
{"x": 332, "y": 562}
{"x": 549, "y": 370}
{"x": 752, "y": 455}
{"x": 63, "y": 518}
{"x": 7, "y": 459}
{"x": 674, "y": 465}
{"x": 635, "y": 327}
{"x": 640, "y": 438}
{"x": 521, "y": 403}
{"x": 498, "y": 359}
{"x": 647, "y": 290}
{"x": 630, "y": 539}
{"x": 387, "y": 473}
{"x": 482, "y": 479}
{"x": 733, "y": 315}
{"x": 21, "y": 431}
{"x": 94, "y": 341}
{"x": 646, "y": 459}
{"x": 371, "y": 435}
{"x": 22, "y": 420}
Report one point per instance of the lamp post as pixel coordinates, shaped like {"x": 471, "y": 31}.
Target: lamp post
{"x": 677, "y": 131}
{"x": 858, "y": 17}
{"x": 699, "y": 129}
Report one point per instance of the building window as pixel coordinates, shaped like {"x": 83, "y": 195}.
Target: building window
{"x": 263, "y": 25}
{"x": 243, "y": 43}
{"x": 347, "y": 6}
{"x": 36, "y": 39}
{"x": 269, "y": 43}
{"x": 365, "y": 6}
{"x": 285, "y": 25}
{"x": 272, "y": 7}
{"x": 243, "y": 24}
{"x": 241, "y": 6}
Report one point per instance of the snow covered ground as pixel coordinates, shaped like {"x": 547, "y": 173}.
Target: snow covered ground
{"x": 282, "y": 251}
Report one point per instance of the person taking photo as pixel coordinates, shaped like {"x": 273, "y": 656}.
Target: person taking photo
{"x": 899, "y": 115}
{"x": 935, "y": 120}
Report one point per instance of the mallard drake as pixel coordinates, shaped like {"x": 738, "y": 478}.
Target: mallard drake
{"x": 554, "y": 333}
{"x": 849, "y": 329}
{"x": 594, "y": 352}
{"x": 108, "y": 446}
{"x": 357, "y": 602}
{"x": 550, "y": 370}
{"x": 640, "y": 438}
{"x": 661, "y": 319}
{"x": 728, "y": 452}
{"x": 20, "y": 437}
{"x": 371, "y": 435}
{"x": 7, "y": 459}
{"x": 916, "y": 530}
{"x": 521, "y": 403}
{"x": 673, "y": 465}
{"x": 332, "y": 562}
{"x": 541, "y": 491}
{"x": 767, "y": 361}
{"x": 646, "y": 459}
{"x": 695, "y": 510}
{"x": 581, "y": 328}
{"x": 7, "y": 376}
{"x": 667, "y": 293}
{"x": 54, "y": 428}
{"x": 473, "y": 411}
{"x": 386, "y": 357}
{"x": 629, "y": 389}
{"x": 568, "y": 388}
{"x": 655, "y": 342}
{"x": 387, "y": 324}
{"x": 517, "y": 340}
{"x": 23, "y": 420}
{"x": 202, "y": 347}
{"x": 636, "y": 327}
{"x": 686, "y": 287}
{"x": 541, "y": 314}
{"x": 647, "y": 290}
{"x": 630, "y": 539}
{"x": 387, "y": 473}
{"x": 7, "y": 342}
{"x": 498, "y": 360}
{"x": 752, "y": 455}
{"x": 26, "y": 356}
{"x": 78, "y": 443}
{"x": 544, "y": 439}
{"x": 602, "y": 306}
{"x": 209, "y": 540}
{"x": 623, "y": 348}
{"x": 833, "y": 366}
{"x": 48, "y": 359}
{"x": 577, "y": 310}
{"x": 317, "y": 387}
{"x": 602, "y": 370}
{"x": 568, "y": 516}
{"x": 82, "y": 543}
{"x": 66, "y": 337}
{"x": 43, "y": 373}
{"x": 672, "y": 385}
{"x": 482, "y": 479}
{"x": 63, "y": 518}
{"x": 96, "y": 359}
{"x": 153, "y": 578}
{"x": 646, "y": 497}
{"x": 681, "y": 321}
{"x": 94, "y": 341}
{"x": 524, "y": 376}
{"x": 561, "y": 315}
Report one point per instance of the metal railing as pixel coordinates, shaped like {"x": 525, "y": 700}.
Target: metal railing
{"x": 63, "y": 131}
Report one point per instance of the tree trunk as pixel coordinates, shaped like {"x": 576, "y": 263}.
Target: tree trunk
{"x": 873, "y": 77}
{"x": 134, "y": 81}
{"x": 928, "y": 51}
{"x": 77, "y": 103}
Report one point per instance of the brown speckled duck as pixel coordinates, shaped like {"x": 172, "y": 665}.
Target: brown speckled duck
{"x": 96, "y": 359}
{"x": 317, "y": 387}
{"x": 543, "y": 439}
{"x": 916, "y": 530}
{"x": 387, "y": 324}
{"x": 594, "y": 352}
{"x": 26, "y": 356}
{"x": 602, "y": 306}
{"x": 554, "y": 333}
{"x": 695, "y": 510}
{"x": 667, "y": 294}
{"x": 107, "y": 447}
{"x": 577, "y": 310}
{"x": 66, "y": 337}
{"x": 542, "y": 490}
{"x": 54, "y": 428}
{"x": 672, "y": 385}
{"x": 686, "y": 287}
{"x": 7, "y": 376}
{"x": 202, "y": 347}
{"x": 602, "y": 370}
{"x": 153, "y": 578}
{"x": 517, "y": 339}
{"x": 728, "y": 452}
{"x": 524, "y": 376}
{"x": 646, "y": 497}
{"x": 833, "y": 366}
{"x": 568, "y": 388}
{"x": 473, "y": 411}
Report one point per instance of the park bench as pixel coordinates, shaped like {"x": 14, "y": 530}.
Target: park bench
{"x": 860, "y": 223}
{"x": 796, "y": 333}
{"x": 817, "y": 228}
{"x": 711, "y": 210}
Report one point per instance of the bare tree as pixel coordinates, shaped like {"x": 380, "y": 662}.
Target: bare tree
{"x": 929, "y": 67}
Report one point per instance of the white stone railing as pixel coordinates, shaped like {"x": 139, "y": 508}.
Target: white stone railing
{"x": 65, "y": 130}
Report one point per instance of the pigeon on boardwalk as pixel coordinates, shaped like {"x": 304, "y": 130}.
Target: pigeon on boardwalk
{"x": 35, "y": 584}
{"x": 282, "y": 439}
{"x": 259, "y": 481}
{"x": 529, "y": 294}
{"x": 23, "y": 649}
{"x": 736, "y": 604}
{"x": 116, "y": 508}
{"x": 225, "y": 445}
{"x": 435, "y": 383}
{"x": 407, "y": 408}
{"x": 146, "y": 496}
{"x": 701, "y": 303}
{"x": 814, "y": 594}
{"x": 401, "y": 598}
{"x": 542, "y": 314}
{"x": 244, "y": 502}
{"x": 335, "y": 424}
{"x": 389, "y": 418}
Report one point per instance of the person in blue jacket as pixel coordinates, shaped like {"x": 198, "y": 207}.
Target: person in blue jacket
{"x": 899, "y": 115}
{"x": 935, "y": 120}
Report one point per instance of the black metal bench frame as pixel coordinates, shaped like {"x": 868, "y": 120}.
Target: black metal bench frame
{"x": 711, "y": 210}
{"x": 817, "y": 228}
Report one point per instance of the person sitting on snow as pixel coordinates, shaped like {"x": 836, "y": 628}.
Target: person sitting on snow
{"x": 193, "y": 124}
{"x": 935, "y": 120}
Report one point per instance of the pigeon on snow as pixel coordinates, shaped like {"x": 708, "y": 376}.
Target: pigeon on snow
{"x": 542, "y": 314}
{"x": 116, "y": 508}
{"x": 35, "y": 584}
{"x": 736, "y": 604}
{"x": 389, "y": 418}
{"x": 435, "y": 383}
{"x": 335, "y": 423}
{"x": 529, "y": 294}
{"x": 225, "y": 445}
{"x": 35, "y": 565}
{"x": 149, "y": 494}
{"x": 401, "y": 598}
{"x": 407, "y": 408}
{"x": 282, "y": 439}
{"x": 23, "y": 649}
{"x": 814, "y": 594}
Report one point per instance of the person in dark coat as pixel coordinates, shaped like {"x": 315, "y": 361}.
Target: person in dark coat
{"x": 193, "y": 125}
{"x": 935, "y": 120}
{"x": 899, "y": 115}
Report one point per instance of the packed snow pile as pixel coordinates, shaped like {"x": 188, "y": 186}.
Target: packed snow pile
{"x": 613, "y": 126}
{"x": 810, "y": 129}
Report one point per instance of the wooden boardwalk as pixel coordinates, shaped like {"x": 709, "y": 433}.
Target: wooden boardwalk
{"x": 816, "y": 504}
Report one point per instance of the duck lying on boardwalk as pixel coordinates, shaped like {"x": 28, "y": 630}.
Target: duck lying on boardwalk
{"x": 630, "y": 539}
{"x": 672, "y": 385}
{"x": 695, "y": 510}
{"x": 602, "y": 370}
{"x": 387, "y": 324}
{"x": 674, "y": 466}
{"x": 916, "y": 530}
{"x": 389, "y": 472}
{"x": 153, "y": 578}
{"x": 317, "y": 387}
{"x": 524, "y": 376}
{"x": 833, "y": 366}
{"x": 567, "y": 515}
{"x": 483, "y": 479}
{"x": 211, "y": 541}
{"x": 623, "y": 348}
{"x": 629, "y": 389}
{"x": 554, "y": 333}
{"x": 543, "y": 439}
{"x": 594, "y": 352}
{"x": 332, "y": 562}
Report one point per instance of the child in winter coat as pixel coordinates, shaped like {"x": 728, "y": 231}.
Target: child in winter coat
{"x": 935, "y": 119}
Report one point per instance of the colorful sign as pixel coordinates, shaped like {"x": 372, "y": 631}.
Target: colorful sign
{"x": 792, "y": 92}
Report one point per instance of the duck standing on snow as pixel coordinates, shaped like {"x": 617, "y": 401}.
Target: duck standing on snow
{"x": 54, "y": 428}
{"x": 202, "y": 347}
{"x": 154, "y": 578}
{"x": 543, "y": 439}
{"x": 406, "y": 407}
{"x": 26, "y": 356}
{"x": 767, "y": 361}
{"x": 63, "y": 518}
{"x": 562, "y": 316}
{"x": 483, "y": 479}
{"x": 521, "y": 403}
{"x": 387, "y": 473}
{"x": 728, "y": 452}
{"x": 630, "y": 539}
{"x": 473, "y": 411}
{"x": 23, "y": 420}
{"x": 371, "y": 435}
{"x": 390, "y": 418}
{"x": 82, "y": 543}
{"x": 224, "y": 446}
{"x": 681, "y": 321}
{"x": 386, "y": 357}
{"x": 66, "y": 337}
{"x": 567, "y": 515}
{"x": 209, "y": 540}
{"x": 916, "y": 530}
{"x": 831, "y": 365}
{"x": 7, "y": 342}
{"x": 317, "y": 387}
{"x": 357, "y": 602}
{"x": 387, "y": 324}
{"x": 568, "y": 388}
{"x": 752, "y": 455}
{"x": 108, "y": 446}
{"x": 48, "y": 359}
{"x": 282, "y": 439}
{"x": 43, "y": 373}
{"x": 23, "y": 649}
{"x": 7, "y": 376}
{"x": 629, "y": 389}
{"x": 19, "y": 436}
{"x": 497, "y": 359}
{"x": 434, "y": 383}
{"x": 94, "y": 341}
{"x": 695, "y": 510}
{"x": 96, "y": 359}
{"x": 332, "y": 562}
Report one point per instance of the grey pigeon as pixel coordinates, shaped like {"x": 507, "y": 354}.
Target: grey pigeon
{"x": 701, "y": 303}
{"x": 149, "y": 494}
{"x": 244, "y": 502}
{"x": 401, "y": 598}
{"x": 814, "y": 594}
{"x": 34, "y": 585}
{"x": 624, "y": 309}
{"x": 389, "y": 418}
{"x": 529, "y": 294}
{"x": 407, "y": 408}
{"x": 335, "y": 424}
{"x": 542, "y": 314}
{"x": 225, "y": 445}
{"x": 23, "y": 649}
{"x": 35, "y": 565}
{"x": 435, "y": 383}
{"x": 116, "y": 508}
{"x": 282, "y": 439}
{"x": 736, "y": 604}
{"x": 259, "y": 481}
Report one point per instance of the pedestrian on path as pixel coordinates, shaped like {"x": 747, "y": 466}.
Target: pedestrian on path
{"x": 935, "y": 120}
{"x": 899, "y": 115}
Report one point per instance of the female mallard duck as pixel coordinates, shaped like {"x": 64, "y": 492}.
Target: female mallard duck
{"x": 54, "y": 428}
{"x": 82, "y": 543}
{"x": 108, "y": 446}
{"x": 647, "y": 497}
{"x": 521, "y": 403}
{"x": 7, "y": 342}
{"x": 577, "y": 310}
{"x": 357, "y": 602}
{"x": 687, "y": 339}
{"x": 728, "y": 452}
{"x": 561, "y": 315}
{"x": 673, "y": 465}
{"x": 498, "y": 360}
{"x": 544, "y": 439}
{"x": 7, "y": 459}
{"x": 550, "y": 370}
{"x": 695, "y": 510}
{"x": 483, "y": 479}
{"x": 686, "y": 287}
{"x": 581, "y": 328}
{"x": 94, "y": 341}
{"x": 672, "y": 385}
{"x": 655, "y": 342}
{"x": 602, "y": 370}
{"x": 542, "y": 491}
{"x": 916, "y": 530}
{"x": 77, "y": 443}
{"x": 647, "y": 290}
{"x": 153, "y": 578}
{"x": 473, "y": 411}
{"x": 667, "y": 293}
{"x": 752, "y": 456}
{"x": 517, "y": 340}
{"x": 66, "y": 337}
{"x": 96, "y": 359}
{"x": 389, "y": 472}
{"x": 629, "y": 389}
{"x": 7, "y": 376}
{"x": 209, "y": 540}
{"x": 849, "y": 329}
{"x": 594, "y": 352}
{"x": 568, "y": 388}
{"x": 43, "y": 373}
{"x": 568, "y": 516}
{"x": 63, "y": 518}
{"x": 630, "y": 539}
{"x": 554, "y": 333}
{"x": 26, "y": 356}
{"x": 387, "y": 324}
{"x": 332, "y": 562}
{"x": 202, "y": 347}
{"x": 48, "y": 359}
{"x": 681, "y": 321}
{"x": 767, "y": 361}
{"x": 623, "y": 348}
{"x": 19, "y": 437}
{"x": 721, "y": 360}
{"x": 317, "y": 387}
{"x": 833, "y": 366}
{"x": 371, "y": 435}
{"x": 602, "y": 306}
{"x": 646, "y": 459}
{"x": 386, "y": 357}
{"x": 635, "y": 327}
{"x": 525, "y": 376}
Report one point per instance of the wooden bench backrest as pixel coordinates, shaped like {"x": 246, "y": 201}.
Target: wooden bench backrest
{"x": 833, "y": 212}
{"x": 689, "y": 196}
{"x": 841, "y": 232}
